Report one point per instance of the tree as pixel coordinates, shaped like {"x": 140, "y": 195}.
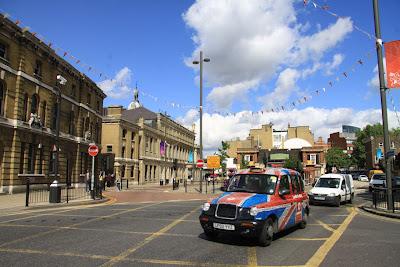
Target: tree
{"x": 335, "y": 157}
{"x": 358, "y": 156}
{"x": 222, "y": 153}
{"x": 293, "y": 164}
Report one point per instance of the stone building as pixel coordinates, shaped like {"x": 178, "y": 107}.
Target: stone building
{"x": 28, "y": 112}
{"x": 148, "y": 146}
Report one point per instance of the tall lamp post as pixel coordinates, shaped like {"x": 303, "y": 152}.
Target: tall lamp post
{"x": 60, "y": 81}
{"x": 382, "y": 89}
{"x": 201, "y": 112}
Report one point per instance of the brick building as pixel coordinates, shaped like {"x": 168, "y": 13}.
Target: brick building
{"x": 28, "y": 108}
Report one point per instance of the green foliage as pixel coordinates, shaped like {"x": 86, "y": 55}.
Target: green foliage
{"x": 293, "y": 164}
{"x": 222, "y": 153}
{"x": 359, "y": 156}
{"x": 336, "y": 157}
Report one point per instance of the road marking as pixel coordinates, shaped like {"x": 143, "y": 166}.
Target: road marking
{"x": 73, "y": 225}
{"x": 304, "y": 238}
{"x": 338, "y": 215}
{"x": 53, "y": 253}
{"x": 126, "y": 253}
{"x": 318, "y": 224}
{"x": 321, "y": 253}
{"x": 326, "y": 226}
{"x": 252, "y": 256}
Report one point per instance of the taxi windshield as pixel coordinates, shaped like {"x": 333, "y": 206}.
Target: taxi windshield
{"x": 253, "y": 183}
{"x": 328, "y": 182}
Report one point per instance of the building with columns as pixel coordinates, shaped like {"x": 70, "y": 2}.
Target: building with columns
{"x": 28, "y": 112}
{"x": 148, "y": 146}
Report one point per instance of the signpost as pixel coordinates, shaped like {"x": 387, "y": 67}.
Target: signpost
{"x": 213, "y": 162}
{"x": 200, "y": 163}
{"x": 93, "y": 150}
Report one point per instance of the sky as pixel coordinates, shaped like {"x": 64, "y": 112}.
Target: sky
{"x": 277, "y": 61}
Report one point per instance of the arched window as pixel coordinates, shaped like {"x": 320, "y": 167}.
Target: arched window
{"x": 2, "y": 97}
{"x": 25, "y": 116}
{"x": 35, "y": 104}
{"x": 43, "y": 115}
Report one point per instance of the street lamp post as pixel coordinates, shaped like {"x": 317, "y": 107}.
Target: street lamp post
{"x": 382, "y": 89}
{"x": 62, "y": 81}
{"x": 201, "y": 112}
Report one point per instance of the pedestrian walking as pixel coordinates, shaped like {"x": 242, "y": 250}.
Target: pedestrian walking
{"x": 118, "y": 184}
{"x": 102, "y": 180}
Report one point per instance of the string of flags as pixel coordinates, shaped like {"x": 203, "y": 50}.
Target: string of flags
{"x": 84, "y": 67}
{"x": 327, "y": 9}
{"x": 341, "y": 75}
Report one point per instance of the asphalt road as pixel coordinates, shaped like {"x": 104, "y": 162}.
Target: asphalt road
{"x": 169, "y": 234}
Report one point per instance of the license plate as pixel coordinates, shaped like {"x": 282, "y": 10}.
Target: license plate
{"x": 223, "y": 226}
{"x": 319, "y": 198}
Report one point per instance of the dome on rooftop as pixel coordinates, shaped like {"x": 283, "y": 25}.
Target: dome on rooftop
{"x": 296, "y": 143}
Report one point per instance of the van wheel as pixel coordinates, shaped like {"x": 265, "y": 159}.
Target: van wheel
{"x": 337, "y": 203}
{"x": 351, "y": 199}
{"x": 303, "y": 223}
{"x": 267, "y": 233}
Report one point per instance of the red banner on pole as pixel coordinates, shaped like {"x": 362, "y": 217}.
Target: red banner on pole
{"x": 392, "y": 54}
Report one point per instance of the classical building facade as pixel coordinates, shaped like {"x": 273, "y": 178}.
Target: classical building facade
{"x": 28, "y": 112}
{"x": 148, "y": 146}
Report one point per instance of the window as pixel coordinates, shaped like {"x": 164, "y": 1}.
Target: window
{"x": 35, "y": 104}
{"x": 88, "y": 98}
{"x": 22, "y": 158}
{"x": 312, "y": 158}
{"x": 38, "y": 68}
{"x": 71, "y": 128}
{"x": 124, "y": 133}
{"x": 73, "y": 90}
{"x": 25, "y": 110}
{"x": 248, "y": 157}
{"x": 296, "y": 187}
{"x": 132, "y": 168}
{"x": 392, "y": 145}
{"x": 43, "y": 116}
{"x": 2, "y": 97}
{"x": 31, "y": 158}
{"x": 284, "y": 183}
{"x": 3, "y": 50}
{"x": 109, "y": 148}
{"x": 98, "y": 105}
{"x": 54, "y": 118}
{"x": 40, "y": 159}
{"x": 123, "y": 152}
{"x": 132, "y": 153}
{"x": 133, "y": 136}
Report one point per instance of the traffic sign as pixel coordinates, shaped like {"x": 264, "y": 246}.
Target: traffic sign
{"x": 200, "y": 163}
{"x": 213, "y": 162}
{"x": 93, "y": 150}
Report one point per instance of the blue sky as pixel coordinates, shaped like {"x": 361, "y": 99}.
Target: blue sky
{"x": 264, "y": 54}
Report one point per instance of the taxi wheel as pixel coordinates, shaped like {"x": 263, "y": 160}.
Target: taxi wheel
{"x": 267, "y": 233}
{"x": 303, "y": 223}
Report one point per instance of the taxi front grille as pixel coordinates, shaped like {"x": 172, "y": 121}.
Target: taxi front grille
{"x": 226, "y": 211}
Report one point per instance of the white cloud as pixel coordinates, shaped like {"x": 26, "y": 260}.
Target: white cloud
{"x": 336, "y": 61}
{"x": 285, "y": 85}
{"x": 249, "y": 41}
{"x": 322, "y": 122}
{"x": 374, "y": 81}
{"x": 118, "y": 87}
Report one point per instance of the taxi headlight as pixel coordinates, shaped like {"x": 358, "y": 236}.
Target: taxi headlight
{"x": 206, "y": 206}
{"x": 253, "y": 211}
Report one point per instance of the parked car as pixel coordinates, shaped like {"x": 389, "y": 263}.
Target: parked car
{"x": 332, "y": 188}
{"x": 258, "y": 203}
{"x": 377, "y": 180}
{"x": 363, "y": 178}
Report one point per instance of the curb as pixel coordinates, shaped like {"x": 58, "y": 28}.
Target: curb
{"x": 380, "y": 213}
{"x": 71, "y": 204}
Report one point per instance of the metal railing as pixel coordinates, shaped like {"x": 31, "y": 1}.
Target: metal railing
{"x": 379, "y": 198}
{"x": 39, "y": 192}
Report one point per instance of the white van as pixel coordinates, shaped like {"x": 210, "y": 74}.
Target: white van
{"x": 332, "y": 188}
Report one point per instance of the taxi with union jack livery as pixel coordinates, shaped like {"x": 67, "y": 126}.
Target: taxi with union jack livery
{"x": 258, "y": 203}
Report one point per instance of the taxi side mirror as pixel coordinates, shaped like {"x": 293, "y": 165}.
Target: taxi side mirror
{"x": 284, "y": 192}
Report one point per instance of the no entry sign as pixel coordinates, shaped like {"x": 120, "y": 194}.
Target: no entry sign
{"x": 199, "y": 163}
{"x": 93, "y": 150}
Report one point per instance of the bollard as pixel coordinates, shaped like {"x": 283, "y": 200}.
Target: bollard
{"x": 27, "y": 193}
